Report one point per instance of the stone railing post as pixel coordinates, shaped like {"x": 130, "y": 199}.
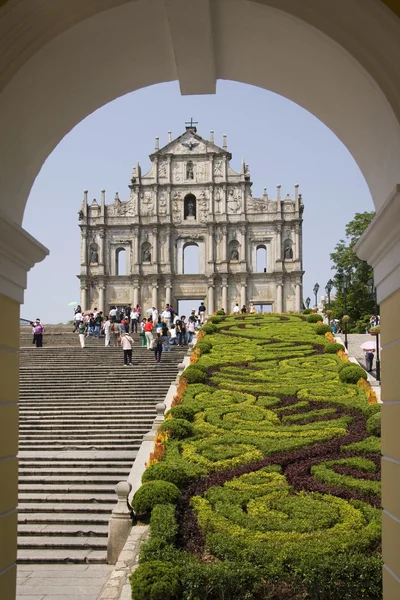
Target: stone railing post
{"x": 160, "y": 409}
{"x": 181, "y": 368}
{"x": 120, "y": 524}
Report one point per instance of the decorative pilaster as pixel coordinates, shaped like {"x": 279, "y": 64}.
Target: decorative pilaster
{"x": 154, "y": 293}
{"x": 84, "y": 296}
{"x": 211, "y": 246}
{"x": 298, "y": 298}
{"x": 224, "y": 230}
{"x": 243, "y": 247}
{"x": 168, "y": 291}
{"x": 243, "y": 292}
{"x": 136, "y": 292}
{"x": 279, "y": 298}
{"x": 136, "y": 249}
{"x": 84, "y": 250}
{"x": 211, "y": 298}
{"x": 278, "y": 243}
{"x": 297, "y": 243}
{"x": 225, "y": 294}
{"x": 155, "y": 248}
{"x": 101, "y": 250}
{"x": 101, "y": 304}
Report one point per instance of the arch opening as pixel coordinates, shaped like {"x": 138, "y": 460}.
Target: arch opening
{"x": 261, "y": 258}
{"x": 120, "y": 262}
{"x": 191, "y": 259}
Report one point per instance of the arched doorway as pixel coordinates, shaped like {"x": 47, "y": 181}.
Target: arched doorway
{"x": 329, "y": 65}
{"x": 120, "y": 261}
{"x": 191, "y": 259}
{"x": 261, "y": 258}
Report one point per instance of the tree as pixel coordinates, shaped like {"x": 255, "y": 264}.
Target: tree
{"x": 360, "y": 304}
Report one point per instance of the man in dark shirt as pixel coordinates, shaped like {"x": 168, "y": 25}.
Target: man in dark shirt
{"x": 202, "y": 312}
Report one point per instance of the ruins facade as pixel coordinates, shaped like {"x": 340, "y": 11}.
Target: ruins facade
{"x": 249, "y": 249}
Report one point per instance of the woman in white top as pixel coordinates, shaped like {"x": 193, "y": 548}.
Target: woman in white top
{"x": 126, "y": 343}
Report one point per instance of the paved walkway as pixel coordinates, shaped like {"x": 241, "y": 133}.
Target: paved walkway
{"x": 354, "y": 342}
{"x": 61, "y": 582}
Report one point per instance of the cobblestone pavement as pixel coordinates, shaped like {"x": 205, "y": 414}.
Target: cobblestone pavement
{"x": 61, "y": 582}
{"x": 354, "y": 342}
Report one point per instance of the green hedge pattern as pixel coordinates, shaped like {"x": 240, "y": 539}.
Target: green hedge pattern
{"x": 278, "y": 472}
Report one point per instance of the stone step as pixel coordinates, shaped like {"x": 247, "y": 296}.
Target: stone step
{"x": 63, "y": 507}
{"x": 62, "y": 542}
{"x": 72, "y": 478}
{"x": 63, "y": 529}
{"x": 95, "y": 498}
{"x": 54, "y": 518}
{"x": 61, "y": 556}
{"x": 65, "y": 488}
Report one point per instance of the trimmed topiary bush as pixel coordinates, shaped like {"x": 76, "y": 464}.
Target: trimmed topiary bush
{"x": 152, "y": 493}
{"x": 352, "y": 374}
{"x": 182, "y": 412}
{"x": 156, "y": 580}
{"x": 177, "y": 428}
{"x": 215, "y": 320}
{"x": 332, "y": 348}
{"x": 220, "y": 312}
{"x": 307, "y": 311}
{"x": 314, "y": 318}
{"x": 163, "y": 522}
{"x": 321, "y": 329}
{"x": 204, "y": 347}
{"x": 374, "y": 425}
{"x": 180, "y": 473}
{"x": 194, "y": 374}
{"x": 208, "y": 328}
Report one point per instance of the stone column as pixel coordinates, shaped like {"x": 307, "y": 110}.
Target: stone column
{"x": 243, "y": 293}
{"x": 169, "y": 198}
{"x": 136, "y": 291}
{"x": 297, "y": 243}
{"x": 211, "y": 205}
{"x": 101, "y": 249}
{"x": 225, "y": 295}
{"x": 278, "y": 243}
{"x": 279, "y": 298}
{"x": 168, "y": 248}
{"x": 168, "y": 291}
{"x": 298, "y": 298}
{"x": 211, "y": 244}
{"x": 84, "y": 251}
{"x": 224, "y": 230}
{"x": 101, "y": 297}
{"x": 154, "y": 294}
{"x": 211, "y": 298}
{"x": 19, "y": 252}
{"x": 136, "y": 249}
{"x": 243, "y": 247}
{"x": 84, "y": 297}
{"x": 154, "y": 257}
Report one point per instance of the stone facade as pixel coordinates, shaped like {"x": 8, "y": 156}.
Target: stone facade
{"x": 192, "y": 196}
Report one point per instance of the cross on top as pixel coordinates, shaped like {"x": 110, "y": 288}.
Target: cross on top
{"x": 192, "y": 123}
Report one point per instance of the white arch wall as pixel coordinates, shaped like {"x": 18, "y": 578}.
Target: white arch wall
{"x": 134, "y": 45}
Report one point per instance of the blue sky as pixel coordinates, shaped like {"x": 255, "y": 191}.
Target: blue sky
{"x": 281, "y": 142}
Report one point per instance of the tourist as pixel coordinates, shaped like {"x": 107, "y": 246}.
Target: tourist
{"x": 107, "y": 331}
{"x": 77, "y": 320}
{"x": 138, "y": 310}
{"x": 114, "y": 334}
{"x": 244, "y": 309}
{"x": 181, "y": 326}
{"x": 369, "y": 359}
{"x": 33, "y": 325}
{"x": 127, "y": 343}
{"x": 202, "y": 312}
{"x": 191, "y": 328}
{"x": 128, "y": 312}
{"x": 173, "y": 339}
{"x": 113, "y": 314}
{"x": 134, "y": 320}
{"x": 166, "y": 315}
{"x": 98, "y": 320}
{"x": 159, "y": 326}
{"x": 236, "y": 309}
{"x": 81, "y": 333}
{"x": 154, "y": 315}
{"x": 121, "y": 328}
{"x": 95, "y": 311}
{"x": 252, "y": 310}
{"x": 142, "y": 331}
{"x": 90, "y": 325}
{"x": 172, "y": 311}
{"x": 148, "y": 330}
{"x": 165, "y": 336}
{"x": 39, "y": 331}
{"x": 158, "y": 348}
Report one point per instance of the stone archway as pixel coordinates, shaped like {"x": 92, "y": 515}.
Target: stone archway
{"x": 338, "y": 60}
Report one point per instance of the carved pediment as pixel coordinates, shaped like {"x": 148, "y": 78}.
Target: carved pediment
{"x": 190, "y": 144}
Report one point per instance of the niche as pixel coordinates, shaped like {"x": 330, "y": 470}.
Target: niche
{"x": 189, "y": 207}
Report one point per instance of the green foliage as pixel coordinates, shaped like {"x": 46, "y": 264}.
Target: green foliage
{"x": 314, "y": 318}
{"x": 156, "y": 580}
{"x": 374, "y": 425}
{"x": 194, "y": 374}
{"x": 204, "y": 347}
{"x": 307, "y": 311}
{"x": 163, "y": 523}
{"x": 182, "y": 412}
{"x": 359, "y": 301}
{"x": 152, "y": 493}
{"x": 333, "y": 347}
{"x": 209, "y": 328}
{"x": 324, "y": 473}
{"x": 215, "y": 320}
{"x": 177, "y": 428}
{"x": 366, "y": 446}
{"x": 321, "y": 329}
{"x": 352, "y": 374}
{"x": 221, "y": 312}
{"x": 174, "y": 469}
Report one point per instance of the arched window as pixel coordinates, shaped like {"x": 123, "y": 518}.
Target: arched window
{"x": 191, "y": 259}
{"x": 261, "y": 259}
{"x": 189, "y": 206}
{"x": 120, "y": 261}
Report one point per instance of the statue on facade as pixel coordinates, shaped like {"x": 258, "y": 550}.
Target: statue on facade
{"x": 94, "y": 253}
{"x": 235, "y": 253}
{"x": 146, "y": 255}
{"x": 191, "y": 208}
{"x": 189, "y": 170}
{"x": 288, "y": 252}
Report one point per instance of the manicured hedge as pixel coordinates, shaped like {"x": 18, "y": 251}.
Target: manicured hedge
{"x": 152, "y": 493}
{"x": 273, "y": 458}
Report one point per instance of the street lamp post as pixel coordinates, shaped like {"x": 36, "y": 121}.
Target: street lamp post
{"x": 345, "y": 282}
{"x": 378, "y": 362}
{"x": 328, "y": 289}
{"x": 308, "y": 302}
{"x": 315, "y": 290}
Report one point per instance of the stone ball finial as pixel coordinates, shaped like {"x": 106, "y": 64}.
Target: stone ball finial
{"x": 122, "y": 489}
{"x": 160, "y": 408}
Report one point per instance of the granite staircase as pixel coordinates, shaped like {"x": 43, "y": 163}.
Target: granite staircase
{"x": 82, "y": 418}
